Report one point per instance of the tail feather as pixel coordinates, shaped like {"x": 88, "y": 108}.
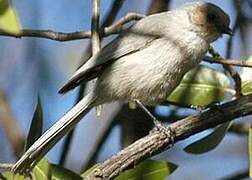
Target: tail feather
{"x": 71, "y": 84}
{"x": 54, "y": 134}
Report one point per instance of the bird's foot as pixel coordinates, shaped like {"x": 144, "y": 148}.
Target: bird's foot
{"x": 166, "y": 130}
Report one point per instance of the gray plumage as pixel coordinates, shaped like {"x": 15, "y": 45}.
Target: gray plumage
{"x": 145, "y": 63}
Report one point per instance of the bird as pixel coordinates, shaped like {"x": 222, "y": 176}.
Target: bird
{"x": 144, "y": 63}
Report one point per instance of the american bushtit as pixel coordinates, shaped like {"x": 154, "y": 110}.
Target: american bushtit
{"x": 144, "y": 63}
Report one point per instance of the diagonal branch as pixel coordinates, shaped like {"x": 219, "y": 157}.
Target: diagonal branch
{"x": 61, "y": 36}
{"x": 157, "y": 142}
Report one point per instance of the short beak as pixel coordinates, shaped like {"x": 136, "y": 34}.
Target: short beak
{"x": 227, "y": 30}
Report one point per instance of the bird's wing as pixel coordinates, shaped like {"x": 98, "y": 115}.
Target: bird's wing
{"x": 138, "y": 37}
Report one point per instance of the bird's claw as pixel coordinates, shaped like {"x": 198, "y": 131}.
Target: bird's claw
{"x": 166, "y": 130}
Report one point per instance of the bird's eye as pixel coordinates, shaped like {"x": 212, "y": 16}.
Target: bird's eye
{"x": 212, "y": 17}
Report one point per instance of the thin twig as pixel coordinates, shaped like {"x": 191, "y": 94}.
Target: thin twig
{"x": 109, "y": 19}
{"x": 118, "y": 26}
{"x": 157, "y": 141}
{"x": 233, "y": 73}
{"x": 61, "y": 36}
{"x": 6, "y": 166}
{"x": 95, "y": 41}
{"x": 95, "y": 33}
{"x": 231, "y": 62}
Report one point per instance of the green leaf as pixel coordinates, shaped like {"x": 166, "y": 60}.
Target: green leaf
{"x": 148, "y": 170}
{"x": 59, "y": 173}
{"x": 9, "y": 21}
{"x": 246, "y": 77}
{"x": 246, "y": 87}
{"x": 250, "y": 151}
{"x": 210, "y": 141}
{"x": 201, "y": 87}
{"x": 36, "y": 125}
{"x": 42, "y": 170}
{"x": 9, "y": 176}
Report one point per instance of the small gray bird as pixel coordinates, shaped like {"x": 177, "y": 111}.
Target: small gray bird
{"x": 144, "y": 63}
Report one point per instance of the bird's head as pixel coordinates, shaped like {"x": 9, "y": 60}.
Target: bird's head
{"x": 208, "y": 20}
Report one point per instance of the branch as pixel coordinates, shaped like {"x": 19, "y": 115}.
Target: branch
{"x": 157, "y": 142}
{"x": 95, "y": 33}
{"x": 108, "y": 20}
{"x": 61, "y": 36}
{"x": 234, "y": 74}
{"x": 118, "y": 26}
{"x": 6, "y": 166}
{"x": 232, "y": 62}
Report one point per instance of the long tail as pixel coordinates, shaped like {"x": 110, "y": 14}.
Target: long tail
{"x": 53, "y": 135}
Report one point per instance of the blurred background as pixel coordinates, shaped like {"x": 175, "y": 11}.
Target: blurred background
{"x": 32, "y": 67}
